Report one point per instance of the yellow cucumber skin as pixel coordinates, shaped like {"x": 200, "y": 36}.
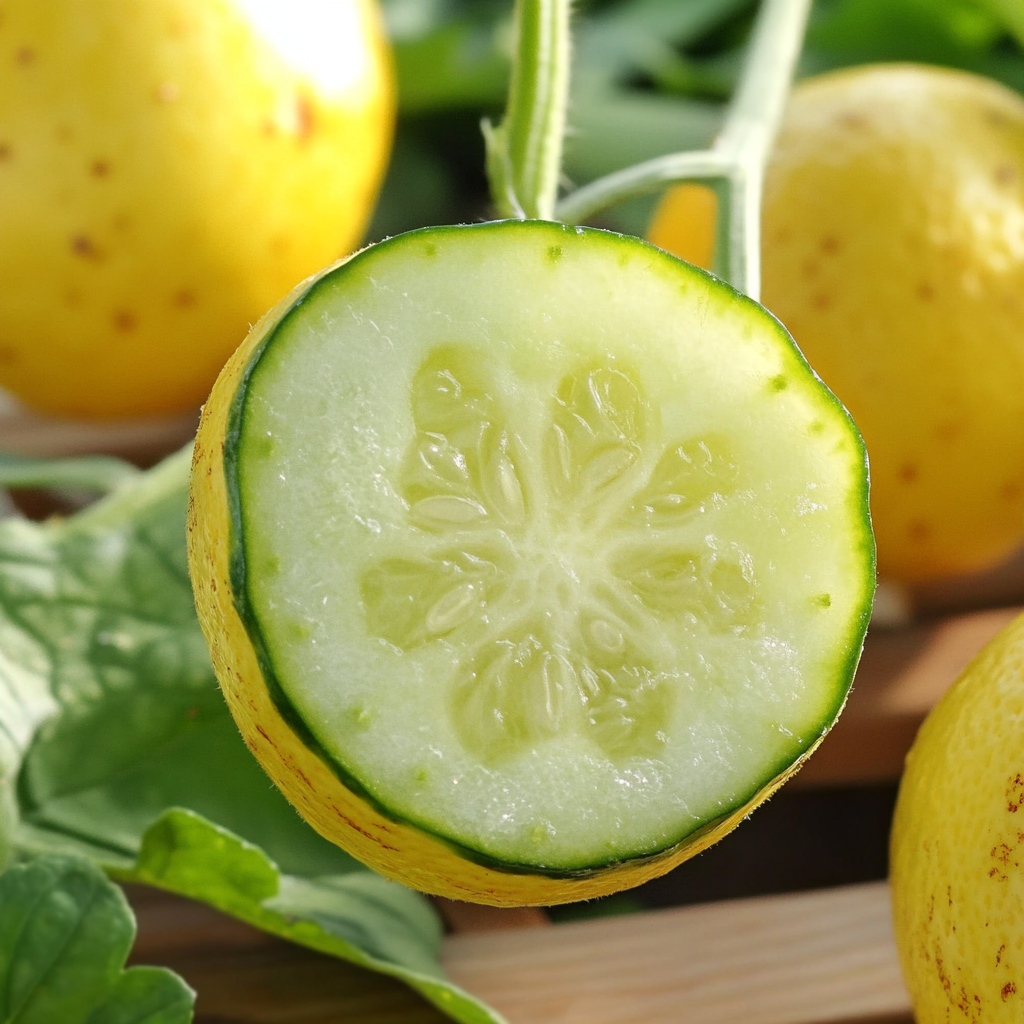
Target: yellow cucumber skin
{"x": 395, "y": 849}
{"x": 168, "y": 169}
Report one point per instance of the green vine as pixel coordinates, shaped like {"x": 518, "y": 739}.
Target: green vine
{"x": 524, "y": 153}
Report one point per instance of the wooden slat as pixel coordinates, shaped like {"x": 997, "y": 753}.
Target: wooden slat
{"x": 244, "y": 976}
{"x": 901, "y": 676}
{"x": 143, "y": 441}
{"x": 467, "y": 918}
{"x": 813, "y": 958}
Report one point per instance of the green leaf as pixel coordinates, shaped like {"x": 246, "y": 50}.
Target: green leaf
{"x": 146, "y": 995}
{"x": 357, "y": 916}
{"x": 955, "y": 33}
{"x": 135, "y": 761}
{"x": 463, "y": 64}
{"x": 100, "y": 473}
{"x": 65, "y": 932}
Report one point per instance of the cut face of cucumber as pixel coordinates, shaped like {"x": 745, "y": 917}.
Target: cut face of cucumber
{"x": 549, "y": 546}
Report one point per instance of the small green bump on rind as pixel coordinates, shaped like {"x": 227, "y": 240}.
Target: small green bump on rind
{"x": 555, "y": 253}
{"x": 778, "y": 383}
{"x": 360, "y": 716}
{"x": 823, "y": 600}
{"x": 263, "y": 447}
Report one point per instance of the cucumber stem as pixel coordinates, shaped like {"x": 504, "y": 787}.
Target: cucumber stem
{"x": 524, "y": 152}
{"x": 734, "y": 165}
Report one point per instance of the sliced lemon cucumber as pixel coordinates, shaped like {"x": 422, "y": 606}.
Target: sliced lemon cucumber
{"x": 531, "y": 557}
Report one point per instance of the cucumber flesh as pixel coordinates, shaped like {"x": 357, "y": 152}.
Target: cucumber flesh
{"x": 554, "y": 545}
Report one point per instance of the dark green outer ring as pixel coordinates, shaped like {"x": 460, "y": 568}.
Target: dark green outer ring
{"x": 239, "y": 569}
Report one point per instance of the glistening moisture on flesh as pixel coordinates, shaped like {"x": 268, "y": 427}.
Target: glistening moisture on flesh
{"x": 515, "y": 617}
{"x": 559, "y": 584}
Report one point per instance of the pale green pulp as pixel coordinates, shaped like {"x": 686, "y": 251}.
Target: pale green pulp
{"x": 555, "y": 544}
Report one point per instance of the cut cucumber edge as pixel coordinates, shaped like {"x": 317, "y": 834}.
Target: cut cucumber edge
{"x": 221, "y": 431}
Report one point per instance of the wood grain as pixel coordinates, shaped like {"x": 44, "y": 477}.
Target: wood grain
{"x": 143, "y": 441}
{"x": 798, "y": 959}
{"x": 811, "y": 958}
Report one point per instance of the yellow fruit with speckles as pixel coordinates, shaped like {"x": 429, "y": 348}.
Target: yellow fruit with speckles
{"x": 168, "y": 170}
{"x": 958, "y": 847}
{"x": 894, "y": 253}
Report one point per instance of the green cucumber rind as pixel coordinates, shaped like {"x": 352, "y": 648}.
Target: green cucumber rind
{"x": 845, "y": 667}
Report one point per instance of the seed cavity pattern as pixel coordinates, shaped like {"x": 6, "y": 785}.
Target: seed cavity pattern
{"x": 555, "y": 576}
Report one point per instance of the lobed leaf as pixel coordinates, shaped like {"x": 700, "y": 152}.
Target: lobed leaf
{"x": 65, "y": 932}
{"x": 123, "y": 750}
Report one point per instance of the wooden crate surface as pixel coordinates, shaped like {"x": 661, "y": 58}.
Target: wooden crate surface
{"x": 809, "y": 958}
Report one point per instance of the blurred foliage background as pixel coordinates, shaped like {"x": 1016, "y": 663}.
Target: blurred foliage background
{"x": 649, "y": 77}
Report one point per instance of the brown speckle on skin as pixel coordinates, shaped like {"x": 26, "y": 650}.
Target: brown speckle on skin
{"x": 86, "y": 248}
{"x": 192, "y": 713}
{"x": 362, "y": 831}
{"x": 1007, "y": 990}
{"x": 1001, "y": 853}
{"x": 125, "y": 320}
{"x": 8, "y": 356}
{"x": 999, "y": 954}
{"x": 909, "y": 472}
{"x": 5, "y": 152}
{"x": 925, "y": 292}
{"x": 72, "y": 298}
{"x": 1015, "y": 793}
{"x": 305, "y": 117}
{"x": 1010, "y": 491}
{"x": 24, "y": 56}
{"x": 1004, "y": 174}
{"x": 167, "y": 92}
{"x": 809, "y": 269}
{"x": 262, "y": 732}
{"x": 919, "y": 531}
{"x": 850, "y": 119}
{"x": 948, "y": 431}
{"x": 829, "y": 245}
{"x": 184, "y": 299}
{"x": 99, "y": 168}
{"x": 821, "y": 301}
